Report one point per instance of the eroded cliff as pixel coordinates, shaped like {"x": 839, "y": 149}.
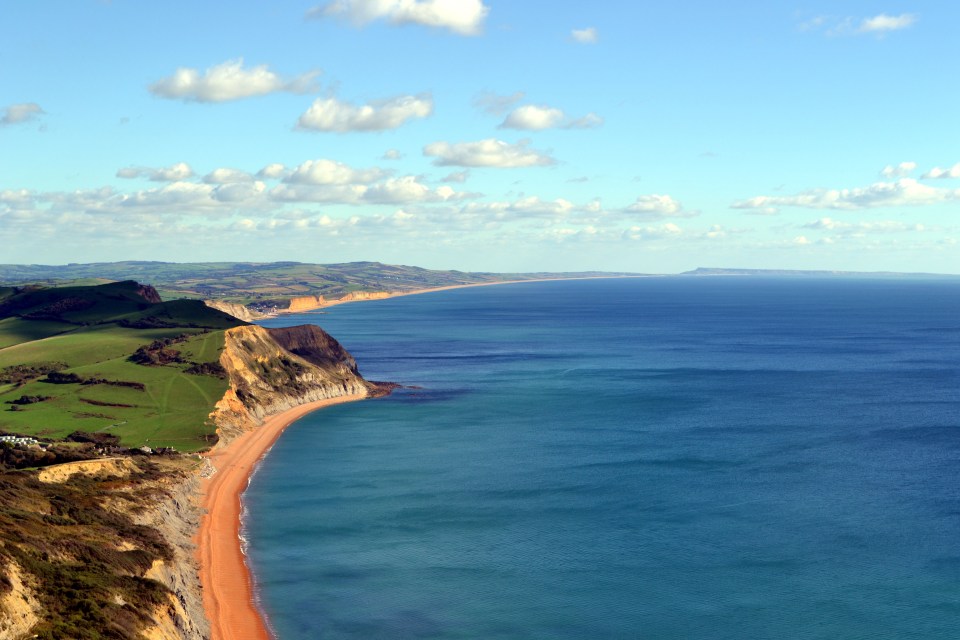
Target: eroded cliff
{"x": 236, "y": 310}
{"x": 272, "y": 370}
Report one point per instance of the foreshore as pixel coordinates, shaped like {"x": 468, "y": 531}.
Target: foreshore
{"x": 228, "y": 593}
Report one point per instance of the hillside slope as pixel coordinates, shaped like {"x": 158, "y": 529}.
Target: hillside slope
{"x": 101, "y": 547}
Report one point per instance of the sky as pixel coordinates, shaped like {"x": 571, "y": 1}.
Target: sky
{"x": 483, "y": 135}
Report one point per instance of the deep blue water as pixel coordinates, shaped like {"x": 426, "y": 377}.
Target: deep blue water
{"x": 658, "y": 458}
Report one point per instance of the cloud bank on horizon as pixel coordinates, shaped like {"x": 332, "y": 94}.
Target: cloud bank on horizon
{"x": 483, "y": 135}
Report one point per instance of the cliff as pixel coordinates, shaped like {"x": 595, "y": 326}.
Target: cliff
{"x": 271, "y": 370}
{"x": 364, "y": 295}
{"x": 306, "y": 303}
{"x": 236, "y": 310}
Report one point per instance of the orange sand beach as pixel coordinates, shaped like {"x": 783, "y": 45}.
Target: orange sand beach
{"x": 228, "y": 595}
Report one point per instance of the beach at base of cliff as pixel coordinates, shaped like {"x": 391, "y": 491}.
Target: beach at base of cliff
{"x": 228, "y": 592}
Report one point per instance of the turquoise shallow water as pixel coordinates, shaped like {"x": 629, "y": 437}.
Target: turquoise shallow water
{"x": 658, "y": 458}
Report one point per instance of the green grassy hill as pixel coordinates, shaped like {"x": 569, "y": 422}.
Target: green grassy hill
{"x": 110, "y": 359}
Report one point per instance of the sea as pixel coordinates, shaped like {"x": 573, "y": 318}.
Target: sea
{"x": 666, "y": 457}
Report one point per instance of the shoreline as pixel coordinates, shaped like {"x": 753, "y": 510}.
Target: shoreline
{"x": 415, "y": 292}
{"x": 228, "y": 591}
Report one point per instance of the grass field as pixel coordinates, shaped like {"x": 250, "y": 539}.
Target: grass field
{"x": 163, "y": 407}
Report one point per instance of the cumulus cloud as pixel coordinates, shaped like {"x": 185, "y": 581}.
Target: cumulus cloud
{"x": 229, "y": 81}
{"x": 272, "y": 171}
{"x": 330, "y": 172}
{"x": 464, "y": 17}
{"x": 903, "y": 192}
{"x": 225, "y": 175}
{"x": 402, "y": 190}
{"x": 658, "y": 206}
{"x": 495, "y": 104}
{"x": 532, "y": 117}
{"x": 883, "y": 23}
{"x": 23, "y": 112}
{"x": 898, "y": 171}
{"x": 486, "y": 153}
{"x": 392, "y": 154}
{"x": 530, "y": 206}
{"x": 173, "y": 173}
{"x": 938, "y": 173}
{"x": 588, "y": 35}
{"x": 330, "y": 114}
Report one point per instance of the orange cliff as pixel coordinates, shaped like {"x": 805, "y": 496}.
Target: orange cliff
{"x": 306, "y": 303}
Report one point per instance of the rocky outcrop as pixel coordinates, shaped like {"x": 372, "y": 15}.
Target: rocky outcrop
{"x": 148, "y": 293}
{"x": 306, "y": 303}
{"x": 272, "y": 370}
{"x": 236, "y": 310}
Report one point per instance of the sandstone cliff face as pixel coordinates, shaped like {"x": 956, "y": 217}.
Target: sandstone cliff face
{"x": 364, "y": 295}
{"x": 271, "y": 370}
{"x": 236, "y": 310}
{"x": 306, "y": 303}
{"x": 18, "y": 606}
{"x": 177, "y": 518}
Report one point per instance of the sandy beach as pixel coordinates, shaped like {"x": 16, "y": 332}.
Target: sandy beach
{"x": 228, "y": 595}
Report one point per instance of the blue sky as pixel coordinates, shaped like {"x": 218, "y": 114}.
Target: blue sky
{"x": 482, "y": 134}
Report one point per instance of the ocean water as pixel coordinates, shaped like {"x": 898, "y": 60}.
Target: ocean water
{"x": 659, "y": 458}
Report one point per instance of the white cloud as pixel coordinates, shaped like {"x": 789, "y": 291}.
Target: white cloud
{"x": 173, "y": 173}
{"x": 486, "y": 153}
{"x": 588, "y": 35}
{"x": 938, "y": 173}
{"x": 801, "y": 241}
{"x": 229, "y": 81}
{"x": 861, "y": 228}
{"x": 666, "y": 230}
{"x": 531, "y": 206}
{"x": 392, "y": 154}
{"x": 225, "y": 175}
{"x": 456, "y": 176}
{"x": 23, "y": 112}
{"x": 659, "y": 206}
{"x": 407, "y": 189}
{"x": 330, "y": 114}
{"x": 589, "y": 121}
{"x": 495, "y": 104}
{"x": 898, "y": 171}
{"x": 879, "y": 25}
{"x": 903, "y": 192}
{"x": 464, "y": 17}
{"x": 272, "y": 171}
{"x": 883, "y": 23}
{"x": 532, "y": 117}
{"x": 402, "y": 190}
{"x": 330, "y": 172}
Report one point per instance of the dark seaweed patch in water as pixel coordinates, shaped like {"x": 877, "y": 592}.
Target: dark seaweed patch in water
{"x": 427, "y": 395}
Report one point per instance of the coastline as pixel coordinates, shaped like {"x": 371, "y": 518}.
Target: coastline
{"x": 415, "y": 292}
{"x": 228, "y": 593}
